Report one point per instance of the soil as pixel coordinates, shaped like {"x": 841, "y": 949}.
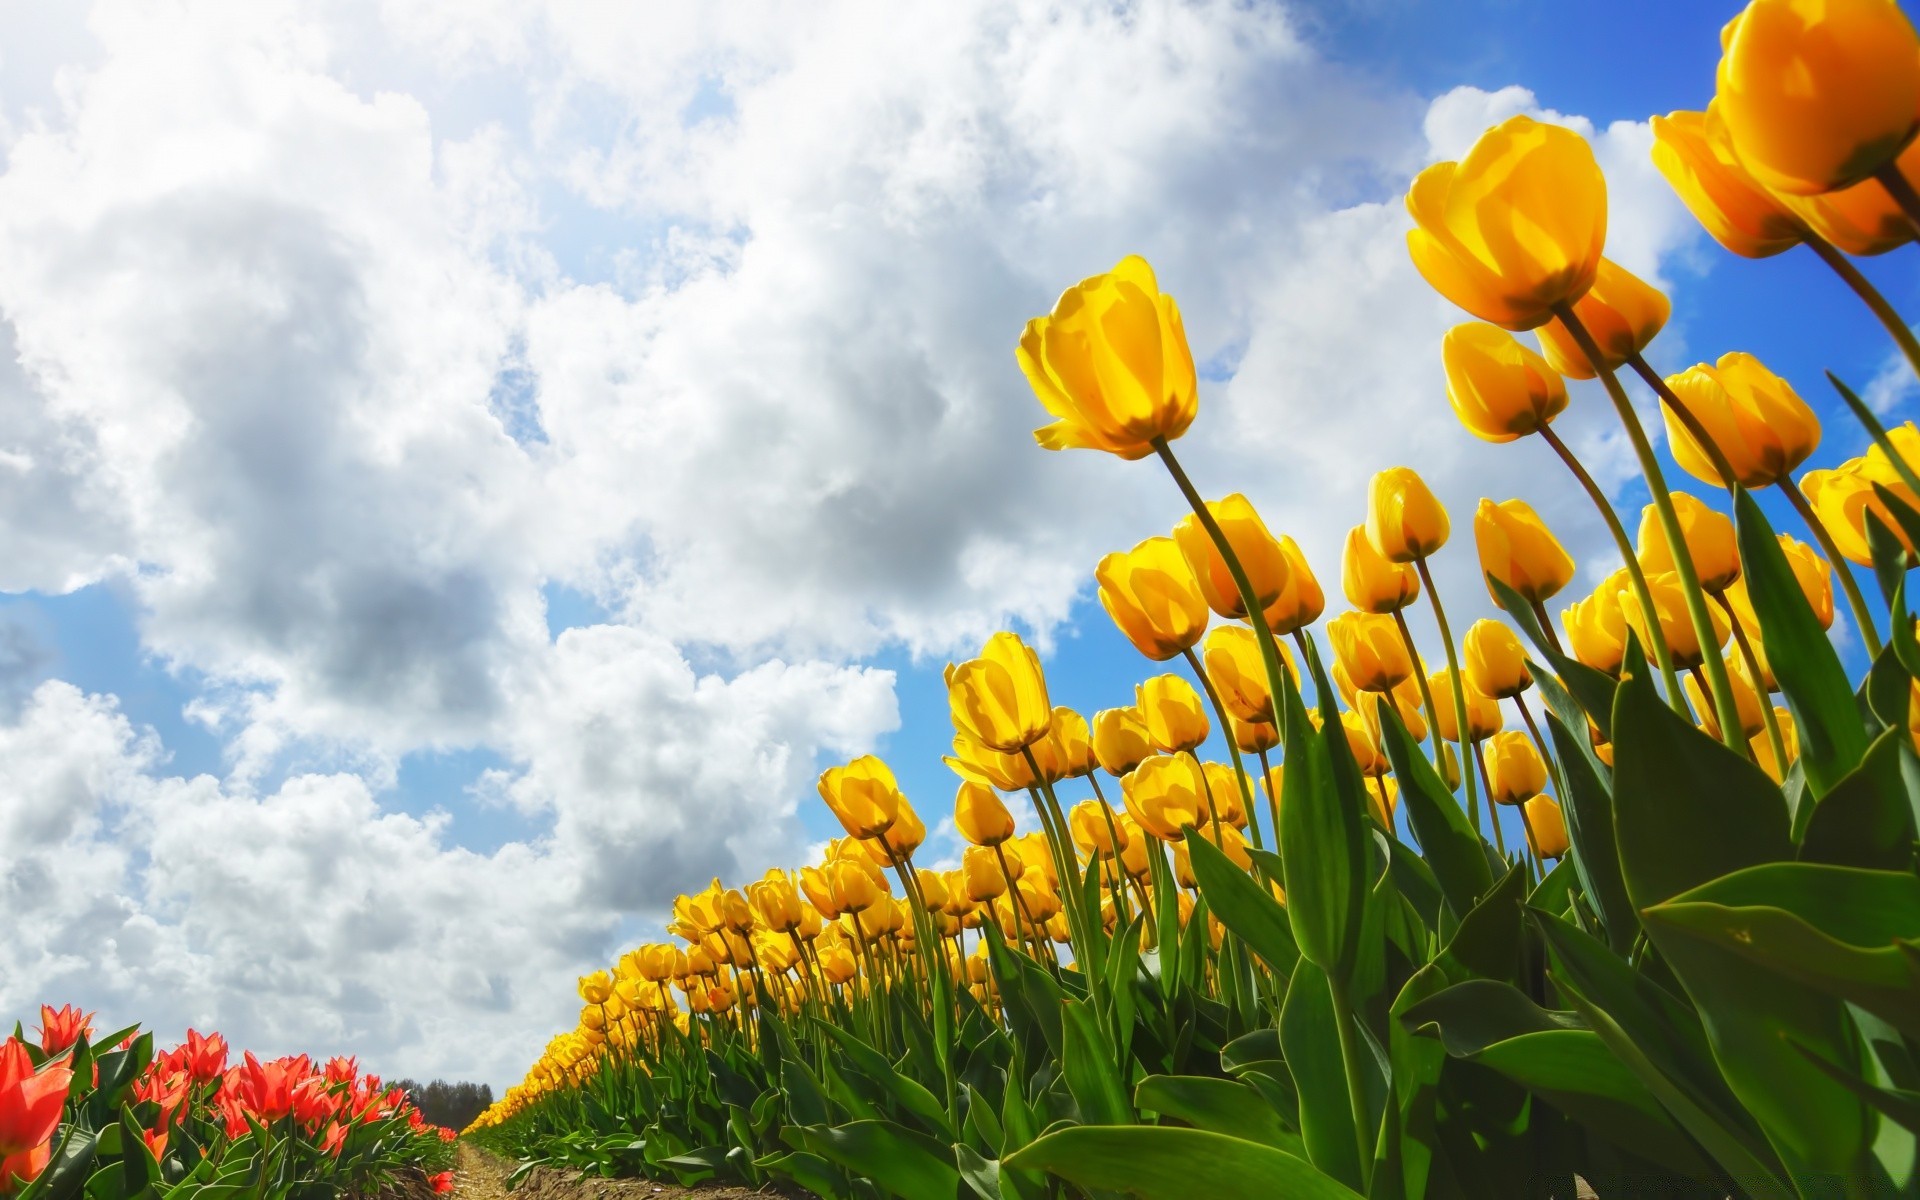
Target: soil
{"x": 482, "y": 1176}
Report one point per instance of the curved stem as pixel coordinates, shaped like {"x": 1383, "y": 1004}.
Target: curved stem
{"x": 1553, "y": 768}
{"x": 1106, "y": 811}
{"x": 1233, "y": 748}
{"x": 1662, "y": 656}
{"x": 1343, "y": 1021}
{"x": 1862, "y": 615}
{"x": 1877, "y": 304}
{"x": 1493, "y": 810}
{"x": 1690, "y": 589}
{"x": 1546, "y": 627}
{"x": 1459, "y": 683}
{"x": 1902, "y": 192}
{"x": 1775, "y": 741}
{"x": 1420, "y": 677}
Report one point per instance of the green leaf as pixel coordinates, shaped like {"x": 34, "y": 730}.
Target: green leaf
{"x": 1832, "y": 739}
{"x": 911, "y": 1096}
{"x": 1589, "y": 814}
{"x": 1450, "y": 844}
{"x": 1322, "y": 838}
{"x": 1165, "y": 1163}
{"x": 1898, "y": 1104}
{"x": 1218, "y": 1105}
{"x": 810, "y": 1171}
{"x": 908, "y": 1164}
{"x": 1488, "y": 940}
{"x": 1865, "y": 820}
{"x": 1092, "y": 1076}
{"x": 1477, "y": 1013}
{"x": 1243, "y": 906}
{"x": 1312, "y": 1044}
{"x": 1592, "y": 689}
{"x": 1686, "y": 809}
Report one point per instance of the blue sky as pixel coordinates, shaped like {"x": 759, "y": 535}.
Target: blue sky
{"x": 651, "y": 435}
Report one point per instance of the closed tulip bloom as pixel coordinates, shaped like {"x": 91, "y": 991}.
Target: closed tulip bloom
{"x": 1906, "y": 444}
{"x": 1405, "y": 700}
{"x": 819, "y": 891}
{"x": 1864, "y": 219}
{"x": 30, "y": 1106}
{"x": 1693, "y": 152}
{"x": 1818, "y": 94}
{"x": 1548, "y": 827}
{"x": 1007, "y": 772}
{"x": 1515, "y": 227}
{"x": 1676, "y": 626}
{"x": 1500, "y": 389}
{"x": 1175, "y": 719}
{"x": 1111, "y": 363}
{"x": 1496, "y": 663}
{"x": 1239, "y": 674}
{"x": 1746, "y": 701}
{"x": 1259, "y": 553}
{"x": 1372, "y": 583}
{"x": 1071, "y": 743}
{"x": 1133, "y": 845}
{"x": 856, "y": 884}
{"x": 1120, "y": 739}
{"x": 1484, "y": 718}
{"x": 1761, "y": 425}
{"x": 595, "y": 988}
{"x": 1709, "y": 536}
{"x": 1370, "y": 650}
{"x": 1790, "y": 741}
{"x": 1151, "y": 594}
{"x": 981, "y": 869}
{"x": 1518, "y": 549}
{"x": 1364, "y": 743}
{"x": 776, "y": 902}
{"x": 1623, "y": 312}
{"x": 1814, "y": 575}
{"x": 1252, "y": 737}
{"x": 863, "y": 795}
{"x": 1000, "y": 698}
{"x": 1515, "y": 770}
{"x": 1094, "y": 828}
{"x": 1843, "y": 496}
{"x": 1301, "y": 602}
{"x": 1597, "y": 626}
{"x": 1404, "y": 520}
{"x": 1223, "y": 793}
{"x": 980, "y": 816}
{"x": 1166, "y": 795}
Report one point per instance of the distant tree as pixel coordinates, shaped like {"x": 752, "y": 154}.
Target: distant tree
{"x": 451, "y": 1104}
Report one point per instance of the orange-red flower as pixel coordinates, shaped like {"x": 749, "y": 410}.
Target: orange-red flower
{"x": 62, "y": 1027}
{"x": 30, "y": 1105}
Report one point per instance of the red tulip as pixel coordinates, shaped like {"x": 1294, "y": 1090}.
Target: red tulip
{"x": 205, "y": 1056}
{"x": 62, "y": 1027}
{"x": 442, "y": 1183}
{"x": 30, "y": 1105}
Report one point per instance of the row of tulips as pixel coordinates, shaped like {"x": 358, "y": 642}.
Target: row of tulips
{"x": 1595, "y": 907}
{"x": 111, "y": 1118}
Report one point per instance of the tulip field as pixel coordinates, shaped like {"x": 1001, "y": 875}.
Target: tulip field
{"x": 109, "y": 1117}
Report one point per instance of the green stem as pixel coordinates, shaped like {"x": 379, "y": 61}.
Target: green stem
{"x": 1891, "y": 320}
{"x": 1426, "y": 689}
{"x": 1493, "y": 809}
{"x": 1343, "y": 1021}
{"x": 1233, "y": 748}
{"x": 1690, "y": 590}
{"x": 1273, "y": 801}
{"x": 1684, "y": 415}
{"x": 1862, "y": 615}
{"x": 1637, "y": 577}
{"x": 1546, "y": 627}
{"x": 1459, "y": 681}
{"x": 1775, "y": 741}
{"x": 1067, "y": 863}
{"x": 1902, "y": 192}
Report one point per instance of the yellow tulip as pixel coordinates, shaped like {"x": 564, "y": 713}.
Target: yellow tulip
{"x": 1597, "y": 626}
{"x": 1818, "y": 94}
{"x": 1693, "y": 152}
{"x": 1405, "y": 521}
{"x": 1070, "y": 744}
{"x": 1369, "y": 648}
{"x": 1709, "y": 537}
{"x": 1515, "y": 770}
{"x": 855, "y": 884}
{"x": 1496, "y": 663}
{"x": 1548, "y": 828}
{"x": 1007, "y": 772}
{"x": 1670, "y": 605}
{"x": 1364, "y": 744}
{"x": 1000, "y": 698}
{"x": 1233, "y": 663}
{"x": 1372, "y": 583}
{"x": 1746, "y": 702}
{"x": 1301, "y": 602}
{"x": 1120, "y": 739}
{"x": 981, "y": 868}
{"x": 980, "y": 816}
{"x": 1406, "y": 702}
{"x": 1151, "y": 594}
{"x": 1623, "y": 312}
{"x": 1500, "y": 389}
{"x": 819, "y": 890}
{"x": 1111, "y": 363}
{"x": 1252, "y": 737}
{"x": 1815, "y": 577}
{"x": 1906, "y": 443}
{"x": 1517, "y": 548}
{"x": 1514, "y": 228}
{"x": 595, "y": 988}
{"x": 1133, "y": 844}
{"x": 1790, "y": 741}
{"x": 776, "y": 902}
{"x": 904, "y": 836}
{"x": 1166, "y": 795}
{"x": 1174, "y": 716}
{"x": 863, "y": 795}
{"x": 1223, "y": 793}
{"x": 1484, "y": 718}
{"x": 1762, "y": 427}
{"x": 1863, "y": 219}
{"x": 1260, "y": 555}
{"x": 1843, "y": 496}
{"x": 1094, "y": 828}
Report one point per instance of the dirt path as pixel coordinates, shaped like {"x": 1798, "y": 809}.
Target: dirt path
{"x": 481, "y": 1176}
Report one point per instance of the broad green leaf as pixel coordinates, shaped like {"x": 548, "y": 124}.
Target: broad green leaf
{"x": 1312, "y": 1045}
{"x": 1487, "y": 942}
{"x": 1219, "y": 1105}
{"x": 1589, "y": 817}
{"x": 1832, "y": 739}
{"x": 1898, "y": 1104}
{"x": 1164, "y": 1163}
{"x": 810, "y": 1171}
{"x": 909, "y": 1164}
{"x": 1092, "y": 1076}
{"x": 1243, "y": 905}
{"x": 1477, "y": 1013}
{"x": 1449, "y": 843}
{"x": 1866, "y": 819}
{"x": 1320, "y": 841}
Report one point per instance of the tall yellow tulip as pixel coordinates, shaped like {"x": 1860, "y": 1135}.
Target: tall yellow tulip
{"x": 1167, "y": 795}
{"x": 1691, "y": 149}
{"x": 1404, "y": 519}
{"x": 1710, "y": 542}
{"x": 1259, "y": 553}
{"x": 1759, "y": 423}
{"x": 1301, "y": 602}
{"x": 1496, "y": 662}
{"x": 1500, "y": 389}
{"x": 980, "y": 816}
{"x": 1623, "y": 312}
{"x": 1372, "y": 583}
{"x": 1173, "y": 713}
{"x": 863, "y": 794}
{"x": 1518, "y": 549}
{"x": 1151, "y": 594}
{"x": 1000, "y": 698}
{"x": 1370, "y": 649}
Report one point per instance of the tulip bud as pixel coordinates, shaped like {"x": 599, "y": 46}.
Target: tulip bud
{"x": 1676, "y": 625}
{"x": 1167, "y": 795}
{"x": 1519, "y": 550}
{"x": 1070, "y": 744}
{"x": 981, "y": 869}
{"x": 1500, "y": 389}
{"x": 1007, "y": 772}
{"x": 1133, "y": 844}
{"x": 1404, "y": 520}
{"x": 1094, "y": 829}
{"x": 1484, "y": 718}
{"x": 1151, "y": 594}
{"x": 1818, "y": 94}
{"x": 1547, "y": 827}
{"x": 1746, "y": 701}
{"x": 1515, "y": 227}
{"x": 1692, "y": 151}
{"x": 856, "y": 884}
{"x": 1709, "y": 537}
{"x": 1763, "y": 748}
{"x": 1301, "y": 602}
{"x": 1252, "y": 737}
{"x": 904, "y": 836}
{"x": 595, "y": 988}
{"x": 1597, "y": 626}
{"x": 1815, "y": 577}
{"x": 1373, "y": 584}
{"x": 1239, "y": 673}
{"x": 1261, "y": 557}
{"x": 1515, "y": 771}
{"x": 1174, "y": 717}
{"x": 863, "y": 795}
{"x": 980, "y": 816}
{"x": 1364, "y": 744}
{"x": 1761, "y": 426}
{"x": 1111, "y": 363}
{"x": 1496, "y": 663}
{"x": 1120, "y": 739}
{"x": 1843, "y": 497}
{"x": 1621, "y": 311}
{"x": 1370, "y": 650}
{"x": 1000, "y": 698}
{"x": 1223, "y": 793}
